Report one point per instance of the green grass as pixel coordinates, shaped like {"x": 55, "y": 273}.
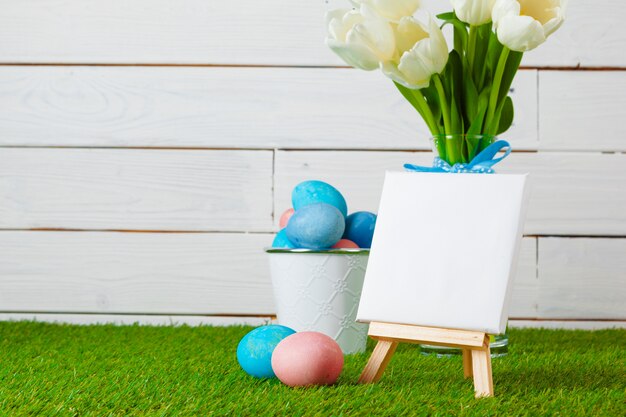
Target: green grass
{"x": 105, "y": 370}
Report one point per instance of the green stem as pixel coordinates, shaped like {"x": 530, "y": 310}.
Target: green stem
{"x": 445, "y": 110}
{"x": 495, "y": 88}
{"x": 471, "y": 47}
{"x": 429, "y": 118}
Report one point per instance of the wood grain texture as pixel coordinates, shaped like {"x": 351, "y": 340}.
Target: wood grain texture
{"x": 141, "y": 320}
{"x": 572, "y": 193}
{"x": 222, "y": 108}
{"x": 271, "y": 32}
{"x": 135, "y": 189}
{"x": 582, "y": 110}
{"x": 134, "y": 273}
{"x": 582, "y": 278}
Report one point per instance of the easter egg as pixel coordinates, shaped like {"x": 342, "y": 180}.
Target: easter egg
{"x": 312, "y": 192}
{"x": 284, "y": 218}
{"x": 360, "y": 228}
{"x": 282, "y": 241}
{"x": 254, "y": 352}
{"x": 316, "y": 226}
{"x": 345, "y": 244}
{"x": 307, "y": 358}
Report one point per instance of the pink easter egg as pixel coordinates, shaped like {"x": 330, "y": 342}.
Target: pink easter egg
{"x": 284, "y": 218}
{"x": 307, "y": 358}
{"x": 345, "y": 244}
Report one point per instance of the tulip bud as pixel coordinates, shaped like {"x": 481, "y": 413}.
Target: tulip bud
{"x": 421, "y": 52}
{"x": 393, "y": 10}
{"x": 474, "y": 12}
{"x": 362, "y": 38}
{"x": 523, "y": 25}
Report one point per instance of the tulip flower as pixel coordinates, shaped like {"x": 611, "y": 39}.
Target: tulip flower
{"x": 362, "y": 38}
{"x": 474, "y": 12}
{"x": 522, "y": 25}
{"x": 420, "y": 53}
{"x": 392, "y": 10}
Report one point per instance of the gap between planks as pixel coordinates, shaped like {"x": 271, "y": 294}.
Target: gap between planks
{"x": 183, "y": 65}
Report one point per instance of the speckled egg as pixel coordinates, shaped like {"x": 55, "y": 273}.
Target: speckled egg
{"x": 254, "y": 352}
{"x": 316, "y": 226}
{"x": 360, "y": 228}
{"x": 307, "y": 358}
{"x": 282, "y": 241}
{"x": 284, "y": 218}
{"x": 312, "y": 192}
{"x": 345, "y": 244}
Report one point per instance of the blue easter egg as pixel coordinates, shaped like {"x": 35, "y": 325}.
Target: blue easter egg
{"x": 360, "y": 228}
{"x": 282, "y": 241}
{"x": 312, "y": 192}
{"x": 316, "y": 226}
{"x": 254, "y": 352}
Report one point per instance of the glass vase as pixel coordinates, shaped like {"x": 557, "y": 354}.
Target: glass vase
{"x": 499, "y": 345}
{"x": 460, "y": 148}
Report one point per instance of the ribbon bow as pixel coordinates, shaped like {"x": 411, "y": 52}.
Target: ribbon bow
{"x": 481, "y": 164}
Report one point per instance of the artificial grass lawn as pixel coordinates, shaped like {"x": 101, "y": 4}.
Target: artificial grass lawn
{"x": 65, "y": 370}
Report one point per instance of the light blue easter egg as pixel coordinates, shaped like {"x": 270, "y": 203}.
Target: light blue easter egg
{"x": 316, "y": 226}
{"x": 254, "y": 352}
{"x": 282, "y": 241}
{"x": 312, "y": 192}
{"x": 360, "y": 228}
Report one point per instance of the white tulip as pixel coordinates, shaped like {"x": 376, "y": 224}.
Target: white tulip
{"x": 361, "y": 37}
{"x": 474, "y": 12}
{"x": 421, "y": 52}
{"x": 522, "y": 25}
{"x": 393, "y": 10}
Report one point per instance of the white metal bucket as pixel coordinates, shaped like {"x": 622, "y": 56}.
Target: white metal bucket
{"x": 320, "y": 291}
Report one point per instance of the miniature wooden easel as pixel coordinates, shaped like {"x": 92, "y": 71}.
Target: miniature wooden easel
{"x": 475, "y": 346}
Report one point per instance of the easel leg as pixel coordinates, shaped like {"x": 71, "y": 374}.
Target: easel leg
{"x": 377, "y": 363}
{"x": 467, "y": 363}
{"x": 481, "y": 364}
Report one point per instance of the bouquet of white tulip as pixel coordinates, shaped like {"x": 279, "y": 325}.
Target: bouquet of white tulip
{"x": 462, "y": 95}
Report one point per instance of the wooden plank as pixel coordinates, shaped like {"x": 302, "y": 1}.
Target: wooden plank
{"x": 134, "y": 273}
{"x": 568, "y": 324}
{"x": 572, "y": 194}
{"x": 525, "y": 284}
{"x": 271, "y": 32}
{"x": 141, "y": 320}
{"x": 582, "y": 110}
{"x": 378, "y": 361}
{"x": 178, "y": 320}
{"x": 592, "y": 36}
{"x": 135, "y": 189}
{"x": 582, "y": 278}
{"x": 222, "y": 108}
{"x": 431, "y": 335}
{"x": 279, "y": 32}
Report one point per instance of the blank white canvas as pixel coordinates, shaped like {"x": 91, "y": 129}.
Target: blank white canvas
{"x": 444, "y": 250}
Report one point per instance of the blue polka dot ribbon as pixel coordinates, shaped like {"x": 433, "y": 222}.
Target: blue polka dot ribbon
{"x": 481, "y": 164}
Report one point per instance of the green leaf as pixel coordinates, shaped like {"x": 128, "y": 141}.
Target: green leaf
{"x": 476, "y": 127}
{"x": 446, "y": 16}
{"x": 470, "y": 99}
{"x": 480, "y": 52}
{"x": 454, "y": 59}
{"x": 493, "y": 55}
{"x": 512, "y": 65}
{"x": 432, "y": 98}
{"x": 506, "y": 116}
{"x": 408, "y": 95}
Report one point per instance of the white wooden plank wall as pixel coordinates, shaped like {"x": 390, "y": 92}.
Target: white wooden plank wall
{"x": 147, "y": 149}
